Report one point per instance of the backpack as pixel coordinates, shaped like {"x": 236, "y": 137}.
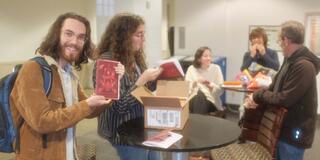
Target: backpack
{"x": 8, "y": 131}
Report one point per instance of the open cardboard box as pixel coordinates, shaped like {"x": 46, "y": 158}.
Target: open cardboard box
{"x": 168, "y": 108}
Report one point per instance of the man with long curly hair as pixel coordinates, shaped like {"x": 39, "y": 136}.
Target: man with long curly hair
{"x": 47, "y": 130}
{"x": 123, "y": 41}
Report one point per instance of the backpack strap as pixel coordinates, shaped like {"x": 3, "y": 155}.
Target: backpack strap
{"x": 47, "y": 85}
{"x": 17, "y": 147}
{"x": 46, "y": 73}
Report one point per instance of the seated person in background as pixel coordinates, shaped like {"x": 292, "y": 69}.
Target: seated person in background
{"x": 259, "y": 53}
{"x": 206, "y": 79}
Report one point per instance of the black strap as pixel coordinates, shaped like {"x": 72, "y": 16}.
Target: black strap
{"x": 44, "y": 141}
{"x": 46, "y": 73}
{"x": 17, "y": 148}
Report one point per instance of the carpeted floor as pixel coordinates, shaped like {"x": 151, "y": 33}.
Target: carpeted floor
{"x": 86, "y": 134}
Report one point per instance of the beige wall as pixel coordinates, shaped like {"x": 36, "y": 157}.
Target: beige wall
{"x": 223, "y": 25}
{"x": 151, "y": 11}
{"x": 25, "y": 23}
{"x": 6, "y": 67}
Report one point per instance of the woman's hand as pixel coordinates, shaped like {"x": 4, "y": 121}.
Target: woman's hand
{"x": 120, "y": 70}
{"x": 205, "y": 83}
{"x": 208, "y": 85}
{"x": 261, "y": 49}
{"x": 194, "y": 84}
{"x": 148, "y": 75}
{"x": 253, "y": 50}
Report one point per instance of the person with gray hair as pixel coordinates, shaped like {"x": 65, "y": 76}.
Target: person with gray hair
{"x": 295, "y": 88}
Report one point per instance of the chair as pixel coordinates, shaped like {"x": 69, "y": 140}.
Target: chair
{"x": 86, "y": 151}
{"x": 203, "y": 155}
{"x": 260, "y": 126}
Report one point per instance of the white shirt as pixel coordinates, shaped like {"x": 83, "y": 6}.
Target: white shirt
{"x": 214, "y": 75}
{"x": 67, "y": 86}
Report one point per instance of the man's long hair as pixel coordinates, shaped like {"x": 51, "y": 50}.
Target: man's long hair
{"x": 50, "y": 45}
{"x": 116, "y": 40}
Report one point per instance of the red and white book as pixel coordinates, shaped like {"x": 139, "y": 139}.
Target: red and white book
{"x": 107, "y": 80}
{"x": 163, "y": 139}
{"x": 171, "y": 69}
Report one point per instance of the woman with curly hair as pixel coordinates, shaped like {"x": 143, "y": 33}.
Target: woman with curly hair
{"x": 123, "y": 41}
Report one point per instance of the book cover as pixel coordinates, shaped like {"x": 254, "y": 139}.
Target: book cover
{"x": 171, "y": 69}
{"x": 107, "y": 80}
{"x": 164, "y": 139}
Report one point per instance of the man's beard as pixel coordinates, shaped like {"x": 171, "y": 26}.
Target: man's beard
{"x": 70, "y": 57}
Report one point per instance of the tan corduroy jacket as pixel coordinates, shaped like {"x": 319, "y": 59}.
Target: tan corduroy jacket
{"x": 45, "y": 115}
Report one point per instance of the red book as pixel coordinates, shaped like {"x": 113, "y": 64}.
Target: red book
{"x": 107, "y": 80}
{"x": 171, "y": 69}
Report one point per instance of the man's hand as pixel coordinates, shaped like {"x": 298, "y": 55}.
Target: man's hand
{"x": 249, "y": 103}
{"x": 97, "y": 102}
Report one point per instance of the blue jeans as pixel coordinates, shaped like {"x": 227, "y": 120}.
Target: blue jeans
{"x": 286, "y": 151}
{"x": 134, "y": 153}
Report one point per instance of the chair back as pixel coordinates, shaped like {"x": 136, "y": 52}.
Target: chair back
{"x": 263, "y": 125}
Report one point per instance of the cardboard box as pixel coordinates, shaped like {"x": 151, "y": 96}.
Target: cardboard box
{"x": 168, "y": 107}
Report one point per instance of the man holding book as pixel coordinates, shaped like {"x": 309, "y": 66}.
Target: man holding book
{"x": 47, "y": 122}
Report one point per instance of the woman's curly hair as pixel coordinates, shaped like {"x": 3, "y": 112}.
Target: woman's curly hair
{"x": 117, "y": 41}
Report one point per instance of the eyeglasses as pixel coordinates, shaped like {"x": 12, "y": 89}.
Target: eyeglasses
{"x": 139, "y": 35}
{"x": 70, "y": 35}
{"x": 279, "y": 41}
